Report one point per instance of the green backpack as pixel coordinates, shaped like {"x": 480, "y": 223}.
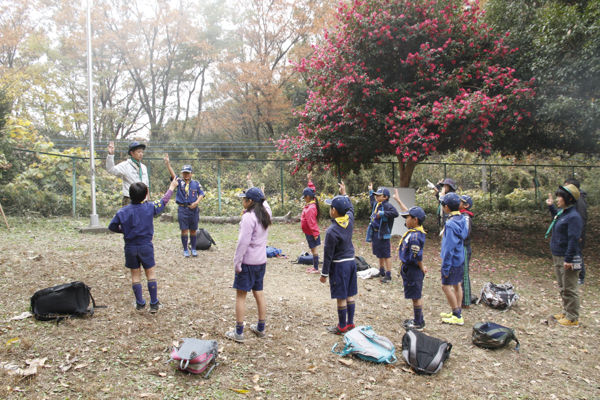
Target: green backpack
{"x": 493, "y": 336}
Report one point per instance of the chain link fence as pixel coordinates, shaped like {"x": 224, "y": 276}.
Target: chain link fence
{"x": 47, "y": 184}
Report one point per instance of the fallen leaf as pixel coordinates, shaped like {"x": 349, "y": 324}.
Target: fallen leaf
{"x": 104, "y": 349}
{"x": 287, "y": 328}
{"x": 156, "y": 359}
{"x": 243, "y": 391}
{"x": 79, "y": 366}
{"x": 408, "y": 370}
{"x": 291, "y": 348}
{"x": 162, "y": 374}
{"x": 372, "y": 379}
{"x": 144, "y": 395}
{"x": 343, "y": 396}
{"x": 13, "y": 341}
{"x": 587, "y": 381}
{"x": 24, "y": 315}
{"x": 255, "y": 378}
{"x": 258, "y": 388}
{"x": 384, "y": 306}
{"x": 65, "y": 384}
{"x": 175, "y": 343}
{"x": 306, "y": 351}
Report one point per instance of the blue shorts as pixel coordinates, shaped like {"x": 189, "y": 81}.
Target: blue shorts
{"x": 412, "y": 277}
{"x": 455, "y": 277}
{"x": 312, "y": 243}
{"x": 342, "y": 280}
{"x": 188, "y": 218}
{"x": 251, "y": 278}
{"x": 381, "y": 247}
{"x": 136, "y": 255}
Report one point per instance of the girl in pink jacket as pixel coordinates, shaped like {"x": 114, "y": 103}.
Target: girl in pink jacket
{"x": 310, "y": 223}
{"x": 250, "y": 261}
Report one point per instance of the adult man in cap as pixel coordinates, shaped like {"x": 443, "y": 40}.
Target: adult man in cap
{"x": 130, "y": 171}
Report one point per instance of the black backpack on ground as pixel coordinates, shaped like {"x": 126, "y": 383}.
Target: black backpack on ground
{"x": 424, "y": 353}
{"x": 361, "y": 264}
{"x": 203, "y": 240}
{"x": 493, "y": 336}
{"x": 62, "y": 302}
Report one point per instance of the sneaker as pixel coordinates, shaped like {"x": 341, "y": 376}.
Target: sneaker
{"x": 385, "y": 279}
{"x": 558, "y": 317}
{"x": 139, "y": 306}
{"x": 155, "y": 307}
{"x": 454, "y": 320}
{"x": 194, "y": 253}
{"x": 581, "y": 282}
{"x": 186, "y": 253}
{"x": 336, "y": 330}
{"x": 410, "y": 324}
{"x": 474, "y": 299}
{"x": 254, "y": 329}
{"x": 232, "y": 335}
{"x": 313, "y": 271}
{"x": 568, "y": 322}
{"x": 446, "y": 314}
{"x": 350, "y": 327}
{"x": 464, "y": 307}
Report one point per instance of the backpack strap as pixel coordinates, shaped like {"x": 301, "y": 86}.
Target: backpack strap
{"x": 344, "y": 352}
{"x": 94, "y": 303}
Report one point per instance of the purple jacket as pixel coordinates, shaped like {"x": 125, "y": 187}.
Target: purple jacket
{"x": 252, "y": 242}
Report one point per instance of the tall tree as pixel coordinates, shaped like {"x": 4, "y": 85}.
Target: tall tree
{"x": 407, "y": 79}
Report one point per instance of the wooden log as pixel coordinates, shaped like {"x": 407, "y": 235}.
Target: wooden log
{"x": 287, "y": 218}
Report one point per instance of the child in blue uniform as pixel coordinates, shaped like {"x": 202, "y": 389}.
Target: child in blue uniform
{"x": 338, "y": 260}
{"x": 380, "y": 230}
{"x": 189, "y": 194}
{"x": 135, "y": 222}
{"x": 453, "y": 257}
{"x": 466, "y": 204}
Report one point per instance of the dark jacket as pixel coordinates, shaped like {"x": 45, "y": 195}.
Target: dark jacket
{"x": 387, "y": 213}
{"x": 338, "y": 243}
{"x": 566, "y": 233}
{"x": 469, "y": 216}
{"x": 581, "y": 207}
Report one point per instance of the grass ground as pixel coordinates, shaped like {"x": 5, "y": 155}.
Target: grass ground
{"x": 120, "y": 353}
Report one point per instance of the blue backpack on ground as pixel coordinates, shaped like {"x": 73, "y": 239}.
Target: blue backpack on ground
{"x": 363, "y": 342}
{"x": 273, "y": 252}
{"x": 305, "y": 258}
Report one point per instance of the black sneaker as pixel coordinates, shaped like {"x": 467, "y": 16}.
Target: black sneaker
{"x": 139, "y": 306}
{"x": 581, "y": 282}
{"x": 155, "y": 307}
{"x": 385, "y": 279}
{"x": 410, "y": 324}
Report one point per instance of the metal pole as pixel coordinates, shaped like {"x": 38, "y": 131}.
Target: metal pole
{"x": 393, "y": 174}
{"x": 490, "y": 186}
{"x": 281, "y": 176}
{"x": 445, "y": 175}
{"x": 573, "y": 174}
{"x": 148, "y": 170}
{"x": 74, "y": 188}
{"x": 339, "y": 165}
{"x": 94, "y": 216}
{"x": 219, "y": 183}
{"x": 535, "y": 182}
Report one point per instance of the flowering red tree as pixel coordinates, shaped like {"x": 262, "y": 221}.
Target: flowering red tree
{"x": 408, "y": 79}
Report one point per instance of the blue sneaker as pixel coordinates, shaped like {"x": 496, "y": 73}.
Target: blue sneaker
{"x": 194, "y": 253}
{"x": 186, "y": 253}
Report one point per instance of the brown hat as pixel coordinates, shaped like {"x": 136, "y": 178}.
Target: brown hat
{"x": 572, "y": 189}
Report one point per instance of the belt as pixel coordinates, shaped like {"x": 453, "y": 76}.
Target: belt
{"x": 344, "y": 260}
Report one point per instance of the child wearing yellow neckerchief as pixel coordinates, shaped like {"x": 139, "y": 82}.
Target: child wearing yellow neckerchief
{"x": 453, "y": 257}
{"x": 379, "y": 231}
{"x": 309, "y": 221}
{"x": 339, "y": 264}
{"x": 412, "y": 270}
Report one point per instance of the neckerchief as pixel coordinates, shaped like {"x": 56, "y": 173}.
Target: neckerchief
{"x": 139, "y": 164}
{"x": 417, "y": 229}
{"x": 452, "y": 214}
{"x": 554, "y": 221}
{"x": 310, "y": 202}
{"x": 187, "y": 187}
{"x": 375, "y": 212}
{"x": 343, "y": 221}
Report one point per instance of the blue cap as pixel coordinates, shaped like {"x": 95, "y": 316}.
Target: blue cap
{"x": 308, "y": 192}
{"x": 383, "y": 191}
{"x": 451, "y": 199}
{"x": 450, "y": 182}
{"x": 186, "y": 168}
{"x": 135, "y": 145}
{"x": 467, "y": 199}
{"x": 339, "y": 202}
{"x": 416, "y": 212}
{"x": 254, "y": 194}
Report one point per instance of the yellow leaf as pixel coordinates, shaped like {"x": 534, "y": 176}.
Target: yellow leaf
{"x": 13, "y": 341}
{"x": 242, "y": 391}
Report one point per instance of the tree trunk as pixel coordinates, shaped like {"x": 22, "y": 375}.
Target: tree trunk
{"x": 406, "y": 171}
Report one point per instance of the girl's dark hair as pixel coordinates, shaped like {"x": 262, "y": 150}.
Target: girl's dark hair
{"x": 318, "y": 208}
{"x": 567, "y": 197}
{"x": 261, "y": 213}
{"x": 138, "y": 192}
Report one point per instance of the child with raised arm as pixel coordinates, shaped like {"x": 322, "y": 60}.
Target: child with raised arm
{"x": 135, "y": 222}
{"x": 189, "y": 194}
{"x": 309, "y": 222}
{"x": 412, "y": 270}
{"x": 453, "y": 257}
{"x": 338, "y": 260}
{"x": 250, "y": 261}
{"x": 380, "y": 230}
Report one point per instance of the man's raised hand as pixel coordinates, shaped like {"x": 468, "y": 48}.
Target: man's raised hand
{"x": 111, "y": 147}
{"x": 550, "y": 200}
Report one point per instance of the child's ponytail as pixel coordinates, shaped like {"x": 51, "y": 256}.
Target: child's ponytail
{"x": 261, "y": 213}
{"x": 318, "y": 208}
